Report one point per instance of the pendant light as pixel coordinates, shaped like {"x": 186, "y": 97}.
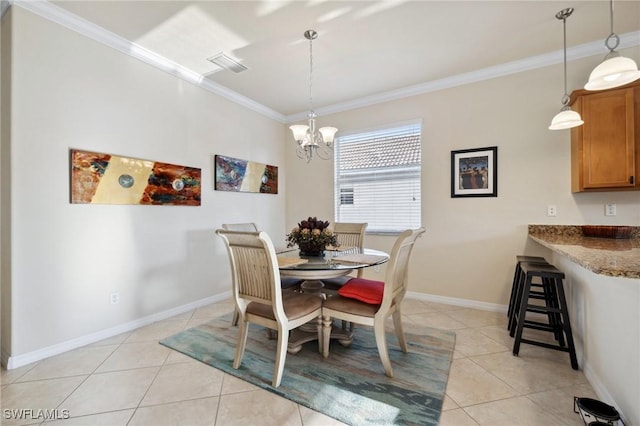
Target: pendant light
{"x": 311, "y": 140}
{"x": 566, "y": 118}
{"x": 615, "y": 70}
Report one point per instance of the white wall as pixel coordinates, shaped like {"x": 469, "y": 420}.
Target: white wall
{"x": 71, "y": 92}
{"x": 469, "y": 247}
{"x": 467, "y": 253}
{"x": 605, "y": 319}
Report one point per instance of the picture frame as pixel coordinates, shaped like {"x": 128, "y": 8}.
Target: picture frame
{"x": 237, "y": 175}
{"x": 474, "y": 172}
{"x": 101, "y": 178}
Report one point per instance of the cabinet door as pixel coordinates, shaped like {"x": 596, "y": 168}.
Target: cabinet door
{"x": 608, "y": 139}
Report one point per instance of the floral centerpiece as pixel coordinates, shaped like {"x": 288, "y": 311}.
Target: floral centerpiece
{"x": 312, "y": 237}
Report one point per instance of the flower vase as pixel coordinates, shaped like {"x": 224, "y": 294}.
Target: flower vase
{"x": 311, "y": 248}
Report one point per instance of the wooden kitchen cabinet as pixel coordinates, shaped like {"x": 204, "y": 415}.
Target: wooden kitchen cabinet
{"x": 605, "y": 150}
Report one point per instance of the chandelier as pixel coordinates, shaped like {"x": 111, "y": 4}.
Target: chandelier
{"x": 311, "y": 140}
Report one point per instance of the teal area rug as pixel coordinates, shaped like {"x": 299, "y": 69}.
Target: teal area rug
{"x": 349, "y": 385}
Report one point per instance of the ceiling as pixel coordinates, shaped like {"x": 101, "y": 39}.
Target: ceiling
{"x": 365, "y": 49}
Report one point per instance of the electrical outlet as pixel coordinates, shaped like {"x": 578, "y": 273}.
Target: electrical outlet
{"x": 552, "y": 210}
{"x": 115, "y": 298}
{"x": 609, "y": 209}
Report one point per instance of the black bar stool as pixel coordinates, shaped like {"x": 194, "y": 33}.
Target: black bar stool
{"x": 555, "y": 308}
{"x": 516, "y": 286}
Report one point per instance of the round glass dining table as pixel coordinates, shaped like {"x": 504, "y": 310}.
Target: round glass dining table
{"x": 334, "y": 263}
{"x": 313, "y": 269}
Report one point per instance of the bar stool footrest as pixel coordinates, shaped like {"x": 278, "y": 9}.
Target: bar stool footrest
{"x": 545, "y": 345}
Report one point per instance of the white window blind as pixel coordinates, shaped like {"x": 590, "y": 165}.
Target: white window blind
{"x": 377, "y": 178}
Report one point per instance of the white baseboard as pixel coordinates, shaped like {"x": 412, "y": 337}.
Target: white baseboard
{"x": 467, "y": 303}
{"x": 591, "y": 376}
{"x": 601, "y": 390}
{"x": 12, "y": 362}
{"x": 21, "y": 360}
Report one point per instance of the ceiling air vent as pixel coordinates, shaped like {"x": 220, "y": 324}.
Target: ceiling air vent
{"x": 227, "y": 62}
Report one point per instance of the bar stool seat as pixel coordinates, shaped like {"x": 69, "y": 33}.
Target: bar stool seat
{"x": 516, "y": 291}
{"x": 555, "y": 308}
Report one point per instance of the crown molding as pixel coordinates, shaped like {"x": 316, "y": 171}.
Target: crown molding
{"x": 75, "y": 23}
{"x": 4, "y": 6}
{"x": 627, "y": 40}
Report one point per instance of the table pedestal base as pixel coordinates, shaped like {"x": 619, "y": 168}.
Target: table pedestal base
{"x": 308, "y": 332}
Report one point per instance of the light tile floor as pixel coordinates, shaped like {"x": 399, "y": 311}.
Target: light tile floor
{"x": 132, "y": 380}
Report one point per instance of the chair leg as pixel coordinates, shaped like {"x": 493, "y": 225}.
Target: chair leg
{"x": 397, "y": 324}
{"x": 381, "y": 342}
{"x": 242, "y": 341}
{"x": 326, "y": 334}
{"x": 281, "y": 354}
{"x": 566, "y": 325}
{"x": 520, "y": 314}
{"x": 320, "y": 334}
{"x": 514, "y": 286}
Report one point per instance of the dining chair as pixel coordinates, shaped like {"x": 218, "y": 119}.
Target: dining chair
{"x": 349, "y": 235}
{"x": 287, "y": 282}
{"x": 245, "y": 227}
{"x": 259, "y": 298}
{"x": 369, "y": 302}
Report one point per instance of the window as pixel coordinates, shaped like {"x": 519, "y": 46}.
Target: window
{"x": 377, "y": 178}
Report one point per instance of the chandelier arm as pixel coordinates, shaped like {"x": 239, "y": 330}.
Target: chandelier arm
{"x": 324, "y": 152}
{"x": 304, "y": 153}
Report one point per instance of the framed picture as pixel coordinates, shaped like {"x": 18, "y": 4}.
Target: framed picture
{"x": 235, "y": 175}
{"x": 474, "y": 172}
{"x": 98, "y": 178}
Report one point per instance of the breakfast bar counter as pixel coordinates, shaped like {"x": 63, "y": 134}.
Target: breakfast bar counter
{"x": 602, "y": 279}
{"x": 604, "y": 256}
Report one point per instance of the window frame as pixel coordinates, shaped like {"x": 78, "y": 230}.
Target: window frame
{"x": 413, "y": 172}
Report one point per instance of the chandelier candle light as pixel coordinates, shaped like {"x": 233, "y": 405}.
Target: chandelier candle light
{"x": 566, "y": 118}
{"x": 615, "y": 70}
{"x": 311, "y": 140}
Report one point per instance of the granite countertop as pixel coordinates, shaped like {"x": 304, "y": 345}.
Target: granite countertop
{"x": 604, "y": 256}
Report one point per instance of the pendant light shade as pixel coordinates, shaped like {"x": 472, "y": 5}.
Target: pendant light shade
{"x": 615, "y": 70}
{"x": 566, "y": 118}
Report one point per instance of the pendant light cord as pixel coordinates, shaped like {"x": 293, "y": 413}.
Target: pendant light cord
{"x": 565, "y": 98}
{"x": 310, "y": 74}
{"x": 612, "y": 35}
{"x": 564, "y": 14}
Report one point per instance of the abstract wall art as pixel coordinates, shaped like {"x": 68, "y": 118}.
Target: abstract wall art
{"x": 110, "y": 179}
{"x": 232, "y": 174}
